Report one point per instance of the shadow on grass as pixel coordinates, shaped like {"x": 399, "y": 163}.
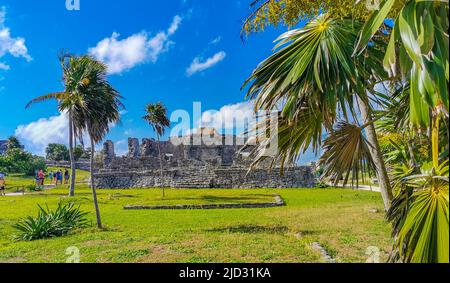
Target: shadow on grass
{"x": 252, "y": 229}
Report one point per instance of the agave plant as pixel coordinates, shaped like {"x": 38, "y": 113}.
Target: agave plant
{"x": 50, "y": 223}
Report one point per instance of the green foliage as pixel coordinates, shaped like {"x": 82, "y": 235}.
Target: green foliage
{"x": 50, "y": 223}
{"x": 418, "y": 50}
{"x": 420, "y": 215}
{"x": 312, "y": 76}
{"x": 291, "y": 12}
{"x": 156, "y": 116}
{"x": 78, "y": 152}
{"x": 13, "y": 143}
{"x": 57, "y": 152}
{"x": 17, "y": 160}
{"x": 346, "y": 153}
{"x": 32, "y": 188}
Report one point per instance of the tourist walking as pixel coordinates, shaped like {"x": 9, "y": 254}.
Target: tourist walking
{"x": 50, "y": 176}
{"x": 41, "y": 178}
{"x": 2, "y": 185}
{"x": 60, "y": 177}
{"x": 66, "y": 176}
{"x": 36, "y": 177}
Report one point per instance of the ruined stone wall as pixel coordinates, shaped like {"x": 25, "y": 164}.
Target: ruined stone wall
{"x": 296, "y": 177}
{"x": 191, "y": 166}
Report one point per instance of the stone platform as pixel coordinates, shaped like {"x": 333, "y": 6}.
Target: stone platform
{"x": 205, "y": 178}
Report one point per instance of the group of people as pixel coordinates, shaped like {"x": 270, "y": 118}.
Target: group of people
{"x": 56, "y": 177}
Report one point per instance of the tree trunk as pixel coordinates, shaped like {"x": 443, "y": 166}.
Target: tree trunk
{"x": 94, "y": 191}
{"x": 161, "y": 167}
{"x": 377, "y": 155}
{"x": 72, "y": 157}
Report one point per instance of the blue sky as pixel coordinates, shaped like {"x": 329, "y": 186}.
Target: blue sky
{"x": 175, "y": 51}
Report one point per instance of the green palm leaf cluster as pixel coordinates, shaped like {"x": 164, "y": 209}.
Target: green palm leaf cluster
{"x": 420, "y": 215}
{"x": 417, "y": 51}
{"x": 325, "y": 77}
{"x": 156, "y": 116}
{"x": 315, "y": 79}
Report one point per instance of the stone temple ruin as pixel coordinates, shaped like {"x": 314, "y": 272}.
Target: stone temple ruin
{"x": 204, "y": 159}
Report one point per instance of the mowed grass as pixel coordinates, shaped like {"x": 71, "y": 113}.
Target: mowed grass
{"x": 19, "y": 181}
{"x": 341, "y": 220}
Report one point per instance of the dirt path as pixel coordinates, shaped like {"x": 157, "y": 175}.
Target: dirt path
{"x": 46, "y": 187}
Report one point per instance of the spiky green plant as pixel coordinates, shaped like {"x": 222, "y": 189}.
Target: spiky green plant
{"x": 51, "y": 223}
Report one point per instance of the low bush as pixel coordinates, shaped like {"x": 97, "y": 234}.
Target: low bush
{"x": 50, "y": 223}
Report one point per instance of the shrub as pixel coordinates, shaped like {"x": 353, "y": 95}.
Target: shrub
{"x": 31, "y": 188}
{"x": 322, "y": 185}
{"x": 17, "y": 160}
{"x": 50, "y": 223}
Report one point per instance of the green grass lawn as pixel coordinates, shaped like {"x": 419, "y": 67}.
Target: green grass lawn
{"x": 15, "y": 181}
{"x": 340, "y": 220}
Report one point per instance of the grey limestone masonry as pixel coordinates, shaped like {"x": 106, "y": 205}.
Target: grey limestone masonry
{"x": 192, "y": 166}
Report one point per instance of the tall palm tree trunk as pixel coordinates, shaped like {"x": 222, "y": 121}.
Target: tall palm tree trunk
{"x": 161, "y": 167}
{"x": 377, "y": 155}
{"x": 72, "y": 157}
{"x": 94, "y": 191}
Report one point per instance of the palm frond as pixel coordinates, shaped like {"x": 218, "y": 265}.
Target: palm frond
{"x": 346, "y": 153}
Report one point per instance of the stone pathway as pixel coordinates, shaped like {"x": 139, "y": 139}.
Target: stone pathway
{"x": 360, "y": 187}
{"x": 46, "y": 187}
{"x": 324, "y": 254}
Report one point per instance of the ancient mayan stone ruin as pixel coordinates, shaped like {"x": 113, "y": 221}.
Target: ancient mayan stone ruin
{"x": 204, "y": 159}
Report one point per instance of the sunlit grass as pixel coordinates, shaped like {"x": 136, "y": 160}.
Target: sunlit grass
{"x": 341, "y": 220}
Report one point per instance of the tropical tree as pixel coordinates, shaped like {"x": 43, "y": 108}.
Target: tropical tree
{"x": 416, "y": 59}
{"x": 312, "y": 76}
{"x": 103, "y": 109}
{"x": 70, "y": 101}
{"x": 57, "y": 152}
{"x": 13, "y": 142}
{"x": 91, "y": 104}
{"x": 156, "y": 116}
{"x": 418, "y": 52}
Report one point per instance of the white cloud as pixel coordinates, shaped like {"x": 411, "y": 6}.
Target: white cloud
{"x": 14, "y": 46}
{"x": 4, "y": 67}
{"x": 216, "y": 40}
{"x": 198, "y": 66}
{"x": 37, "y": 135}
{"x": 121, "y": 147}
{"x": 123, "y": 55}
{"x": 232, "y": 117}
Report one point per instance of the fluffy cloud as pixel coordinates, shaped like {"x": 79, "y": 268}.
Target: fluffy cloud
{"x": 14, "y": 46}
{"x": 198, "y": 65}
{"x": 229, "y": 118}
{"x": 37, "y": 135}
{"x": 123, "y": 55}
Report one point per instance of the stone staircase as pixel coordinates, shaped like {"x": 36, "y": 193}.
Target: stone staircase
{"x": 193, "y": 179}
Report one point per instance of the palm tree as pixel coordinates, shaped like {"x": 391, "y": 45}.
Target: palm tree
{"x": 70, "y": 101}
{"x": 156, "y": 116}
{"x": 102, "y": 105}
{"x": 91, "y": 104}
{"x": 312, "y": 76}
